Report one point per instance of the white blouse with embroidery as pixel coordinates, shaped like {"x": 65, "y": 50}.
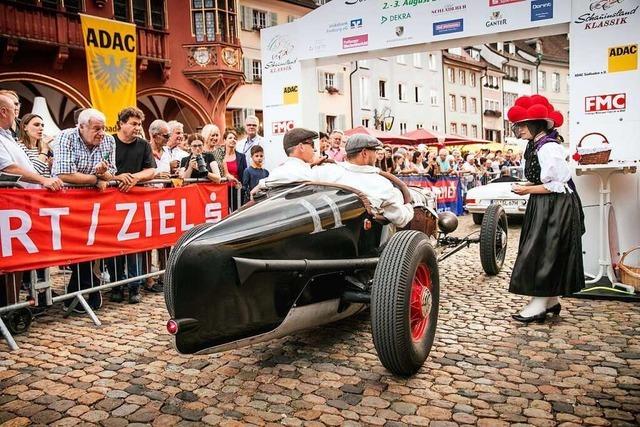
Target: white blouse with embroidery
{"x": 554, "y": 169}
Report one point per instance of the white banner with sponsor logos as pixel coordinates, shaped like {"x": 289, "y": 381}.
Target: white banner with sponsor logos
{"x": 350, "y": 26}
{"x": 281, "y": 82}
{"x": 604, "y": 98}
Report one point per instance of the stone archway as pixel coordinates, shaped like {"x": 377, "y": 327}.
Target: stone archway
{"x": 171, "y": 104}
{"x": 62, "y": 99}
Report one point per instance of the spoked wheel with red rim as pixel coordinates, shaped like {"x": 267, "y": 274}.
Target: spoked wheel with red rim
{"x": 420, "y": 307}
{"x": 404, "y": 302}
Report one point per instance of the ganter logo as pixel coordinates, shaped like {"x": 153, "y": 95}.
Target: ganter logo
{"x": 611, "y": 103}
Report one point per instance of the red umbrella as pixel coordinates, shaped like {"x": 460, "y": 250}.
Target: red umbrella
{"x": 385, "y": 137}
{"x": 423, "y": 136}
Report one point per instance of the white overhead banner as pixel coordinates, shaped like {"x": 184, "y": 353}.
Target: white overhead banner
{"x": 351, "y": 26}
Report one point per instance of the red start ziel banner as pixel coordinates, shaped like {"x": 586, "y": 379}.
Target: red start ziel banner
{"x": 39, "y": 228}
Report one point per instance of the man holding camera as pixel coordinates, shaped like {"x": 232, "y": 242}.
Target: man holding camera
{"x": 199, "y": 164}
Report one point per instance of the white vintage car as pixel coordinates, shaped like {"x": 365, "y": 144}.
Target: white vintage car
{"x": 479, "y": 198}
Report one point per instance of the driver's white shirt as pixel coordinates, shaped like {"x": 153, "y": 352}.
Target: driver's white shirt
{"x": 384, "y": 197}
{"x": 293, "y": 169}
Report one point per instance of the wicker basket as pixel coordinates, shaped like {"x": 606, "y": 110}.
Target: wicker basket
{"x": 629, "y": 275}
{"x": 599, "y": 158}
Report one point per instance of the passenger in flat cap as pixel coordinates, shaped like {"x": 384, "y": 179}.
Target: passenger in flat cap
{"x": 358, "y": 171}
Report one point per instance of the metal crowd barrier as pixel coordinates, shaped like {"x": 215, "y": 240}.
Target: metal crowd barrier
{"x": 24, "y": 293}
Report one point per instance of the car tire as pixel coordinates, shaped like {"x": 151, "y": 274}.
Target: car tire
{"x": 477, "y": 218}
{"x": 404, "y": 302}
{"x": 493, "y": 239}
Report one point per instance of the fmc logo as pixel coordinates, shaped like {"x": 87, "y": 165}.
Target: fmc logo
{"x": 280, "y": 128}
{"x": 613, "y": 102}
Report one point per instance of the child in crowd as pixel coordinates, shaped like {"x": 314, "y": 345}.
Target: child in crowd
{"x": 254, "y": 173}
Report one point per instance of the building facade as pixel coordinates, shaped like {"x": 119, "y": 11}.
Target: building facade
{"x": 462, "y": 92}
{"x": 398, "y": 94}
{"x": 492, "y": 122}
{"x": 188, "y": 55}
{"x": 552, "y": 77}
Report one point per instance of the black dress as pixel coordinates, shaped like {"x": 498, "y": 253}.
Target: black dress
{"x": 549, "y": 261}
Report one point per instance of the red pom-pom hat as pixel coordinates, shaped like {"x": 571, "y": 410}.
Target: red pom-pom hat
{"x": 534, "y": 107}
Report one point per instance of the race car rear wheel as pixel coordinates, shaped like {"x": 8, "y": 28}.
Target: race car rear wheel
{"x": 404, "y": 302}
{"x": 493, "y": 239}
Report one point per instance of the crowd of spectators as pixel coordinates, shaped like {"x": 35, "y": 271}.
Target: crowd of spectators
{"x": 87, "y": 155}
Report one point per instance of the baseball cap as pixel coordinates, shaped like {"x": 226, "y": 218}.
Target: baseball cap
{"x": 296, "y": 136}
{"x": 357, "y": 143}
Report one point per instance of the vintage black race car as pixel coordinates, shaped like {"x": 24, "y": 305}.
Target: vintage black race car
{"x": 308, "y": 255}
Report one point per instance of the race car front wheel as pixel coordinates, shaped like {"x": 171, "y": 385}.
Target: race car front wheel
{"x": 404, "y": 302}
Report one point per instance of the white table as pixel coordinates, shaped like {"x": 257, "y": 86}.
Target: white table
{"x": 604, "y": 173}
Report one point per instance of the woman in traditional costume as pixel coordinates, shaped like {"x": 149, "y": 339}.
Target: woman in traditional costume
{"x": 549, "y": 262}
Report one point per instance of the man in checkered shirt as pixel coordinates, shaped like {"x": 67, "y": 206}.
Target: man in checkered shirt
{"x": 86, "y": 154}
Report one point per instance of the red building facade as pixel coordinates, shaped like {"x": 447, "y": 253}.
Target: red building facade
{"x": 189, "y": 60}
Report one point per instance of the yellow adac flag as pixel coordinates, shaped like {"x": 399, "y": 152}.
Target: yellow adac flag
{"x": 111, "y": 65}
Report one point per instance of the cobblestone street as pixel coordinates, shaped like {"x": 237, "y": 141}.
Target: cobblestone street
{"x": 582, "y": 368}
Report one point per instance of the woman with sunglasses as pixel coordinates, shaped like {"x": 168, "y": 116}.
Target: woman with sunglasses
{"x": 549, "y": 262}
{"x": 35, "y": 143}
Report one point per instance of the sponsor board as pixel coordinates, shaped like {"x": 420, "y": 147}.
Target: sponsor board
{"x": 501, "y": 2}
{"x": 448, "y": 27}
{"x": 610, "y": 103}
{"x": 290, "y": 95}
{"x": 541, "y": 9}
{"x": 355, "y": 41}
{"x": 282, "y": 127}
{"x": 605, "y": 13}
{"x": 496, "y": 19}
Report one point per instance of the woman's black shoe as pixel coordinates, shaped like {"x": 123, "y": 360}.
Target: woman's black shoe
{"x": 555, "y": 310}
{"x": 540, "y": 318}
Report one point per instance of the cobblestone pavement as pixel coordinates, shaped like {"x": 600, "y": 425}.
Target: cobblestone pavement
{"x": 580, "y": 369}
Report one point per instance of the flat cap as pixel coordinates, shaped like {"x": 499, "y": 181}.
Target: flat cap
{"x": 357, "y": 143}
{"x": 296, "y": 136}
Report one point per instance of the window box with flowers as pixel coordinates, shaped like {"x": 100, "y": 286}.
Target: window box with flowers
{"x": 332, "y": 90}
{"x": 526, "y": 81}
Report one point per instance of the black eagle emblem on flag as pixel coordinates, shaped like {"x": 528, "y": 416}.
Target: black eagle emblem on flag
{"x": 110, "y": 74}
